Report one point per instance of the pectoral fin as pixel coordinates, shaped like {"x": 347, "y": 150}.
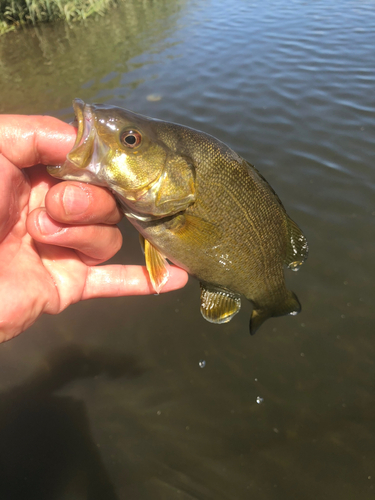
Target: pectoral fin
{"x": 157, "y": 266}
{"x": 195, "y": 232}
{"x": 217, "y": 305}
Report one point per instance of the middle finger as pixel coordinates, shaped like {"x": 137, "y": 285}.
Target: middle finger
{"x": 95, "y": 242}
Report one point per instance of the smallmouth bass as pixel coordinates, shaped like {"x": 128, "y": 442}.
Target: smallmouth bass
{"x": 194, "y": 202}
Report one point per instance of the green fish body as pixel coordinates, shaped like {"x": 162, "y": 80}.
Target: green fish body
{"x": 196, "y": 203}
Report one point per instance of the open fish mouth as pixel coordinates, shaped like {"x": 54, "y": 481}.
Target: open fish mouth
{"x": 83, "y": 161}
{"x": 82, "y": 121}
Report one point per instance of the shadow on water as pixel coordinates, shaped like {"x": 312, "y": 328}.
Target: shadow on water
{"x": 47, "y": 451}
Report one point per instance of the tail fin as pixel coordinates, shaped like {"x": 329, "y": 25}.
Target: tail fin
{"x": 290, "y": 306}
{"x": 258, "y": 316}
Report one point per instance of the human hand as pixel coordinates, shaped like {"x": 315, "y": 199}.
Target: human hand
{"x": 52, "y": 234}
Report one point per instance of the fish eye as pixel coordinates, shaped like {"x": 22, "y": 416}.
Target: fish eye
{"x": 130, "y": 138}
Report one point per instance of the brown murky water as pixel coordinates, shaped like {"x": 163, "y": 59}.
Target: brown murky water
{"x": 107, "y": 400}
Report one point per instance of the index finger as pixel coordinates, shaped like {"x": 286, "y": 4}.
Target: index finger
{"x": 73, "y": 202}
{"x": 29, "y": 140}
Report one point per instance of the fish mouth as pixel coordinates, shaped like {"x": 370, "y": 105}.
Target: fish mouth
{"x": 82, "y": 122}
{"x": 83, "y": 161}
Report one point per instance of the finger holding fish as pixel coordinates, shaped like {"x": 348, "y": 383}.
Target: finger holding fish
{"x": 80, "y": 203}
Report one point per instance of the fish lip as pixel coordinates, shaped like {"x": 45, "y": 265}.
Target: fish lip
{"x": 83, "y": 162}
{"x": 83, "y": 122}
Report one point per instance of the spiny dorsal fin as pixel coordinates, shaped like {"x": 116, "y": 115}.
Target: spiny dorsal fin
{"x": 297, "y": 247}
{"x": 157, "y": 266}
{"x": 217, "y": 305}
{"x": 259, "y": 315}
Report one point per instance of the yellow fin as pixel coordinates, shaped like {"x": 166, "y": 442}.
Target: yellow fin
{"x": 217, "y": 305}
{"x": 157, "y": 266}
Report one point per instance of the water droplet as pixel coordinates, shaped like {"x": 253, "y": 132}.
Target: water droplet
{"x": 202, "y": 363}
{"x": 295, "y": 269}
{"x": 259, "y": 400}
{"x": 295, "y": 266}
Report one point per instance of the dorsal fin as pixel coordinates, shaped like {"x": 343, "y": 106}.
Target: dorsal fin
{"x": 297, "y": 249}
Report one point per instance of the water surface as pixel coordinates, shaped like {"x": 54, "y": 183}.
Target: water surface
{"x": 109, "y": 396}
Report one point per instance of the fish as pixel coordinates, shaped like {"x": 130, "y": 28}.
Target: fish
{"x": 195, "y": 203}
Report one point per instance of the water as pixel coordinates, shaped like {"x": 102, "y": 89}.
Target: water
{"x": 107, "y": 396}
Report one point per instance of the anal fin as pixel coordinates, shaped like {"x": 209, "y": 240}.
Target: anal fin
{"x": 218, "y": 305}
{"x": 157, "y": 266}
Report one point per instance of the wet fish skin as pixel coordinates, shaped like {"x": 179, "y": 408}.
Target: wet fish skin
{"x": 195, "y": 202}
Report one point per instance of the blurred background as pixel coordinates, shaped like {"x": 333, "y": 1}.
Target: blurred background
{"x": 140, "y": 397}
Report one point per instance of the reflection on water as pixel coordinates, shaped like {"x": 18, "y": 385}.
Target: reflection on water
{"x": 55, "y": 62}
{"x": 288, "y": 85}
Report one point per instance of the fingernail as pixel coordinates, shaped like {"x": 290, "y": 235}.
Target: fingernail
{"x": 47, "y": 225}
{"x": 75, "y": 200}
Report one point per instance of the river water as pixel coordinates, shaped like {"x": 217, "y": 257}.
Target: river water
{"x": 139, "y": 397}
